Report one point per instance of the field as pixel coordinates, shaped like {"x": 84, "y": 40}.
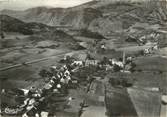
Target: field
{"x": 146, "y": 103}
{"x": 25, "y": 76}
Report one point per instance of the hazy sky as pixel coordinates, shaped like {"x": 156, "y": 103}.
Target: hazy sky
{"x": 25, "y": 4}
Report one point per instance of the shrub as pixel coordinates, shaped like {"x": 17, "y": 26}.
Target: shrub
{"x": 90, "y": 34}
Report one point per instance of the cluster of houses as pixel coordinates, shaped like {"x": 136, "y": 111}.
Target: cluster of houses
{"x": 58, "y": 83}
{"x": 108, "y": 64}
{"x": 35, "y": 99}
{"x": 150, "y": 50}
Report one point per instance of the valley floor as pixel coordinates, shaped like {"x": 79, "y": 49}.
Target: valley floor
{"x": 150, "y": 72}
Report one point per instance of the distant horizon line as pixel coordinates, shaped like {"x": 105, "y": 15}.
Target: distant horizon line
{"x": 48, "y": 7}
{"x": 65, "y": 7}
{"x": 17, "y": 7}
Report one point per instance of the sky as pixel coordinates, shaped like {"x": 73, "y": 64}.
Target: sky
{"x": 25, "y": 4}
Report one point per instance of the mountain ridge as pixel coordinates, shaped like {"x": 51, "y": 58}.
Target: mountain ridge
{"x": 98, "y": 16}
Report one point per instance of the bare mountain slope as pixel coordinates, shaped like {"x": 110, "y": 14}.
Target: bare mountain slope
{"x": 56, "y": 16}
{"x": 103, "y": 16}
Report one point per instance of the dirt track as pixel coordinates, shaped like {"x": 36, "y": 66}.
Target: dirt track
{"x": 30, "y": 62}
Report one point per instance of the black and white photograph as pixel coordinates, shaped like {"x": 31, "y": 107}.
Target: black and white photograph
{"x": 83, "y": 58}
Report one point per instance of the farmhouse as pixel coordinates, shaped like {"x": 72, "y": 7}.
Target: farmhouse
{"x": 91, "y": 62}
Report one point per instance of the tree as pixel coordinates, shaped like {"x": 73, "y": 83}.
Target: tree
{"x": 2, "y": 35}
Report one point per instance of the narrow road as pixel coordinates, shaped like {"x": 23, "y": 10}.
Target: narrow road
{"x": 31, "y": 62}
{"x": 163, "y": 111}
{"x": 96, "y": 110}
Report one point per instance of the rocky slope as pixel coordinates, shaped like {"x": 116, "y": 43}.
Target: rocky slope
{"x": 56, "y": 16}
{"x": 103, "y": 16}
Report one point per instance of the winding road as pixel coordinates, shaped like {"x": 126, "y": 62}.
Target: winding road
{"x": 31, "y": 62}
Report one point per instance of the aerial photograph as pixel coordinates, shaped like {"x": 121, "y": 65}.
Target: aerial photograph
{"x": 83, "y": 58}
